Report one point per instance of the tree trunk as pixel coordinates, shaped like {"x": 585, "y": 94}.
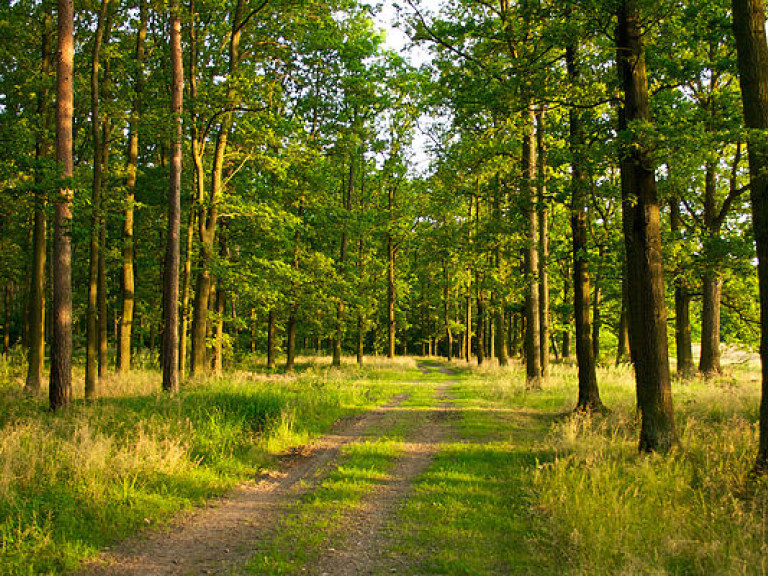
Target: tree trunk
{"x": 752, "y": 51}
{"x": 36, "y": 335}
{"x": 622, "y": 346}
{"x": 271, "y": 339}
{"x": 642, "y": 235}
{"x": 682, "y": 302}
{"x": 500, "y": 342}
{"x": 391, "y": 295}
{"x": 102, "y": 302}
{"x": 102, "y": 279}
{"x": 290, "y": 361}
{"x": 566, "y": 318}
{"x": 293, "y": 318}
{"x": 446, "y": 315}
{"x": 92, "y": 317}
{"x": 207, "y": 224}
{"x": 480, "y": 324}
{"x": 60, "y": 388}
{"x": 360, "y": 339}
{"x": 185, "y": 295}
{"x": 128, "y": 277}
{"x": 218, "y": 349}
{"x": 173, "y": 245}
{"x": 543, "y": 246}
{"x": 7, "y": 319}
{"x": 589, "y": 393}
{"x": 468, "y": 332}
{"x": 709, "y": 362}
{"x": 219, "y": 306}
{"x": 347, "y": 205}
{"x": 531, "y": 259}
{"x": 597, "y": 321}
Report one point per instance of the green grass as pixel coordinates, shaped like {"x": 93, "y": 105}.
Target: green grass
{"x": 522, "y": 486}
{"x": 472, "y": 511}
{"x": 75, "y": 482}
{"x": 602, "y": 508}
{"x": 317, "y": 522}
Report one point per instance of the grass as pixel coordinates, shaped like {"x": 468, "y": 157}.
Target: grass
{"x": 522, "y": 486}
{"x": 75, "y": 482}
{"x": 318, "y": 521}
{"x": 601, "y": 508}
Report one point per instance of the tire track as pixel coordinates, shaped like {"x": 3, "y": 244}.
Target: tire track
{"x": 365, "y": 549}
{"x": 220, "y": 537}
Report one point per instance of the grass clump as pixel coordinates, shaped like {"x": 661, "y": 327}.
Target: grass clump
{"x": 693, "y": 511}
{"x": 74, "y": 482}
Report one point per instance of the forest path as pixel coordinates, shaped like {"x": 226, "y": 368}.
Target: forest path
{"x": 224, "y": 536}
{"x": 366, "y": 544}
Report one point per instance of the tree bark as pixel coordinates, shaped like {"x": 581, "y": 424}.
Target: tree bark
{"x": 589, "y": 393}
{"x": 685, "y": 367}
{"x": 622, "y": 346}
{"x": 92, "y": 317}
{"x": 642, "y": 235}
{"x": 752, "y": 55}
{"x": 543, "y": 213}
{"x": 128, "y": 276}
{"x": 60, "y": 388}
{"x": 597, "y": 300}
{"x": 709, "y": 362}
{"x": 36, "y": 320}
{"x": 173, "y": 244}
{"x": 290, "y": 361}
{"x": 102, "y": 276}
{"x": 531, "y": 257}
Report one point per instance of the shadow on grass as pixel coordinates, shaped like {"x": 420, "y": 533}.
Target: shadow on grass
{"x": 475, "y": 512}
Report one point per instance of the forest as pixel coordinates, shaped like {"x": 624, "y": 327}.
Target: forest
{"x": 226, "y": 226}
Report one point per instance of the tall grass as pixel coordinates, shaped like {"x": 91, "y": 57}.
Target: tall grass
{"x": 608, "y": 510}
{"x": 74, "y": 482}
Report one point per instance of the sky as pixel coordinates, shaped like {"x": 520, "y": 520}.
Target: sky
{"x": 397, "y": 39}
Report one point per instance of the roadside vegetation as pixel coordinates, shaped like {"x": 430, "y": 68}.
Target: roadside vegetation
{"x": 73, "y": 483}
{"x": 520, "y": 485}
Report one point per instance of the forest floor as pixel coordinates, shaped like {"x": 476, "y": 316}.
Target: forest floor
{"x": 429, "y": 468}
{"x": 346, "y": 504}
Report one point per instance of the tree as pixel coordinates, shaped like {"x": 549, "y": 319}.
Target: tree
{"x": 589, "y": 394}
{"x": 752, "y": 49}
{"x": 40, "y": 235}
{"x": 60, "y": 387}
{"x": 128, "y": 276}
{"x": 92, "y": 356}
{"x": 642, "y": 236}
{"x": 173, "y": 244}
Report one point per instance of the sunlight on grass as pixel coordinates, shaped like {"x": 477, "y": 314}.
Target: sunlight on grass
{"x": 75, "y": 482}
{"x": 525, "y": 486}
